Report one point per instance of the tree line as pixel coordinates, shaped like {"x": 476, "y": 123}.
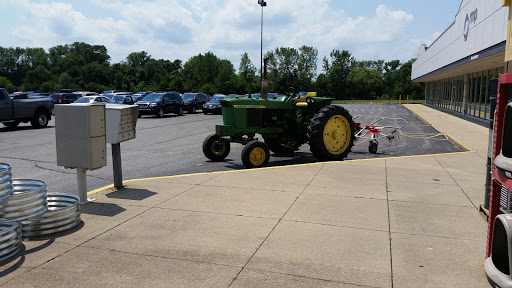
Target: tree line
{"x": 87, "y": 67}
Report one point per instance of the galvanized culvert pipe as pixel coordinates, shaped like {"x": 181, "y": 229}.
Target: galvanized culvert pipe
{"x": 5, "y": 180}
{"x": 63, "y": 213}
{"x": 28, "y": 200}
{"x": 10, "y": 240}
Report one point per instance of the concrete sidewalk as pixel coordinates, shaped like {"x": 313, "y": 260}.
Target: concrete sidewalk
{"x": 398, "y": 222}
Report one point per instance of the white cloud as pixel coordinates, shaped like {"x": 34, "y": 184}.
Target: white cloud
{"x": 180, "y": 29}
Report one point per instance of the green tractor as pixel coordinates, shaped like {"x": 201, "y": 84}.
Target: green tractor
{"x": 285, "y": 123}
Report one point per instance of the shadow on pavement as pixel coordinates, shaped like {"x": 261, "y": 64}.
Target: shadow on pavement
{"x": 102, "y": 209}
{"x": 131, "y": 194}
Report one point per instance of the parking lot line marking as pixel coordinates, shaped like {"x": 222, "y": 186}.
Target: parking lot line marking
{"x": 452, "y": 139}
{"x": 266, "y": 168}
{"x": 429, "y": 136}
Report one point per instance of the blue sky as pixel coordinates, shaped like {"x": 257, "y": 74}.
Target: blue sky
{"x": 180, "y": 29}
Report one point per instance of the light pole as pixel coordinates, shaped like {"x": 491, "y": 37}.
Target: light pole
{"x": 262, "y": 4}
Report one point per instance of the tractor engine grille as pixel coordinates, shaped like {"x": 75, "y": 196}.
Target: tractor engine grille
{"x": 254, "y": 118}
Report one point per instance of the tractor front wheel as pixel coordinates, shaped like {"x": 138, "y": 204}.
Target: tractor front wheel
{"x": 255, "y": 154}
{"x": 331, "y": 133}
{"x": 215, "y": 149}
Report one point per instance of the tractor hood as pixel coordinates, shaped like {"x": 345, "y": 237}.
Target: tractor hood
{"x": 251, "y": 103}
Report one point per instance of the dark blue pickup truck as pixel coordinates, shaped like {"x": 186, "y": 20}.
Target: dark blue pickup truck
{"x": 22, "y": 108}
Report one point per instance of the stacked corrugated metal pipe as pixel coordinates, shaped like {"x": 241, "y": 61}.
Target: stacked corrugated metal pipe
{"x": 27, "y": 210}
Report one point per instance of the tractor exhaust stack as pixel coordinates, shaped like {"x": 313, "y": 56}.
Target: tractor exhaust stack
{"x": 264, "y": 81}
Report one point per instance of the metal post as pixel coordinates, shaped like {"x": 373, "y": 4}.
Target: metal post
{"x": 261, "y": 45}
{"x": 81, "y": 178}
{"x": 262, "y": 3}
{"x": 400, "y": 100}
{"x": 116, "y": 163}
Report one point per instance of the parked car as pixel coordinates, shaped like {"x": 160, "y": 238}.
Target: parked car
{"x": 213, "y": 106}
{"x": 93, "y": 99}
{"x": 160, "y": 104}
{"x": 109, "y": 92}
{"x": 121, "y": 99}
{"x": 67, "y": 90}
{"x": 38, "y": 94}
{"x": 20, "y": 108}
{"x": 140, "y": 95}
{"x": 85, "y": 93}
{"x": 64, "y": 98}
{"x": 272, "y": 95}
{"x": 253, "y": 95}
{"x": 194, "y": 101}
{"x": 110, "y": 95}
{"x": 257, "y": 95}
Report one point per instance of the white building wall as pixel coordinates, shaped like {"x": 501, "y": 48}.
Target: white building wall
{"x": 489, "y": 29}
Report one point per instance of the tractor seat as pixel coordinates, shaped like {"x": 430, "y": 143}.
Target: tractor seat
{"x": 301, "y": 101}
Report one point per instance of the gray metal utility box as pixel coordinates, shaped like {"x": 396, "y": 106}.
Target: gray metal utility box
{"x": 81, "y": 136}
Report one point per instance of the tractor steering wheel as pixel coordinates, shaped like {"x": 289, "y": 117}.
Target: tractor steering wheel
{"x": 291, "y": 92}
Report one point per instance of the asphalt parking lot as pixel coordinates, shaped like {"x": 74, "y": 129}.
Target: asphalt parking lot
{"x": 173, "y": 146}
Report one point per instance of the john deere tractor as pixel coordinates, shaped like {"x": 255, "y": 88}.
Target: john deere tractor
{"x": 285, "y": 123}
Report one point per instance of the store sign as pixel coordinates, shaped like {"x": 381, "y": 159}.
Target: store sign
{"x": 470, "y": 19}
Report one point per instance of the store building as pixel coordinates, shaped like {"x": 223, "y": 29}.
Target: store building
{"x": 458, "y": 66}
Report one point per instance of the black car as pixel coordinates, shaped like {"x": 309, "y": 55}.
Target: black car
{"x": 121, "y": 99}
{"x": 160, "y": 104}
{"x": 214, "y": 105}
{"x": 194, "y": 101}
{"x": 64, "y": 98}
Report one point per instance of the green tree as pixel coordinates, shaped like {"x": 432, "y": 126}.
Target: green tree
{"x": 177, "y": 85}
{"x": 137, "y": 59}
{"x": 35, "y": 78}
{"x": 203, "y": 69}
{"x": 5, "y": 83}
{"x": 403, "y": 84}
{"x": 306, "y": 66}
{"x": 66, "y": 81}
{"x": 364, "y": 83}
{"x": 246, "y": 66}
{"x": 208, "y": 88}
{"x": 337, "y": 70}
{"x": 283, "y": 69}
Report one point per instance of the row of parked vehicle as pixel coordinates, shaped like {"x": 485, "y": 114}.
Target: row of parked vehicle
{"x": 150, "y": 103}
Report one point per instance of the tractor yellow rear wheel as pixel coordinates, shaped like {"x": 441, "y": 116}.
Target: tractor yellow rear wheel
{"x": 331, "y": 133}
